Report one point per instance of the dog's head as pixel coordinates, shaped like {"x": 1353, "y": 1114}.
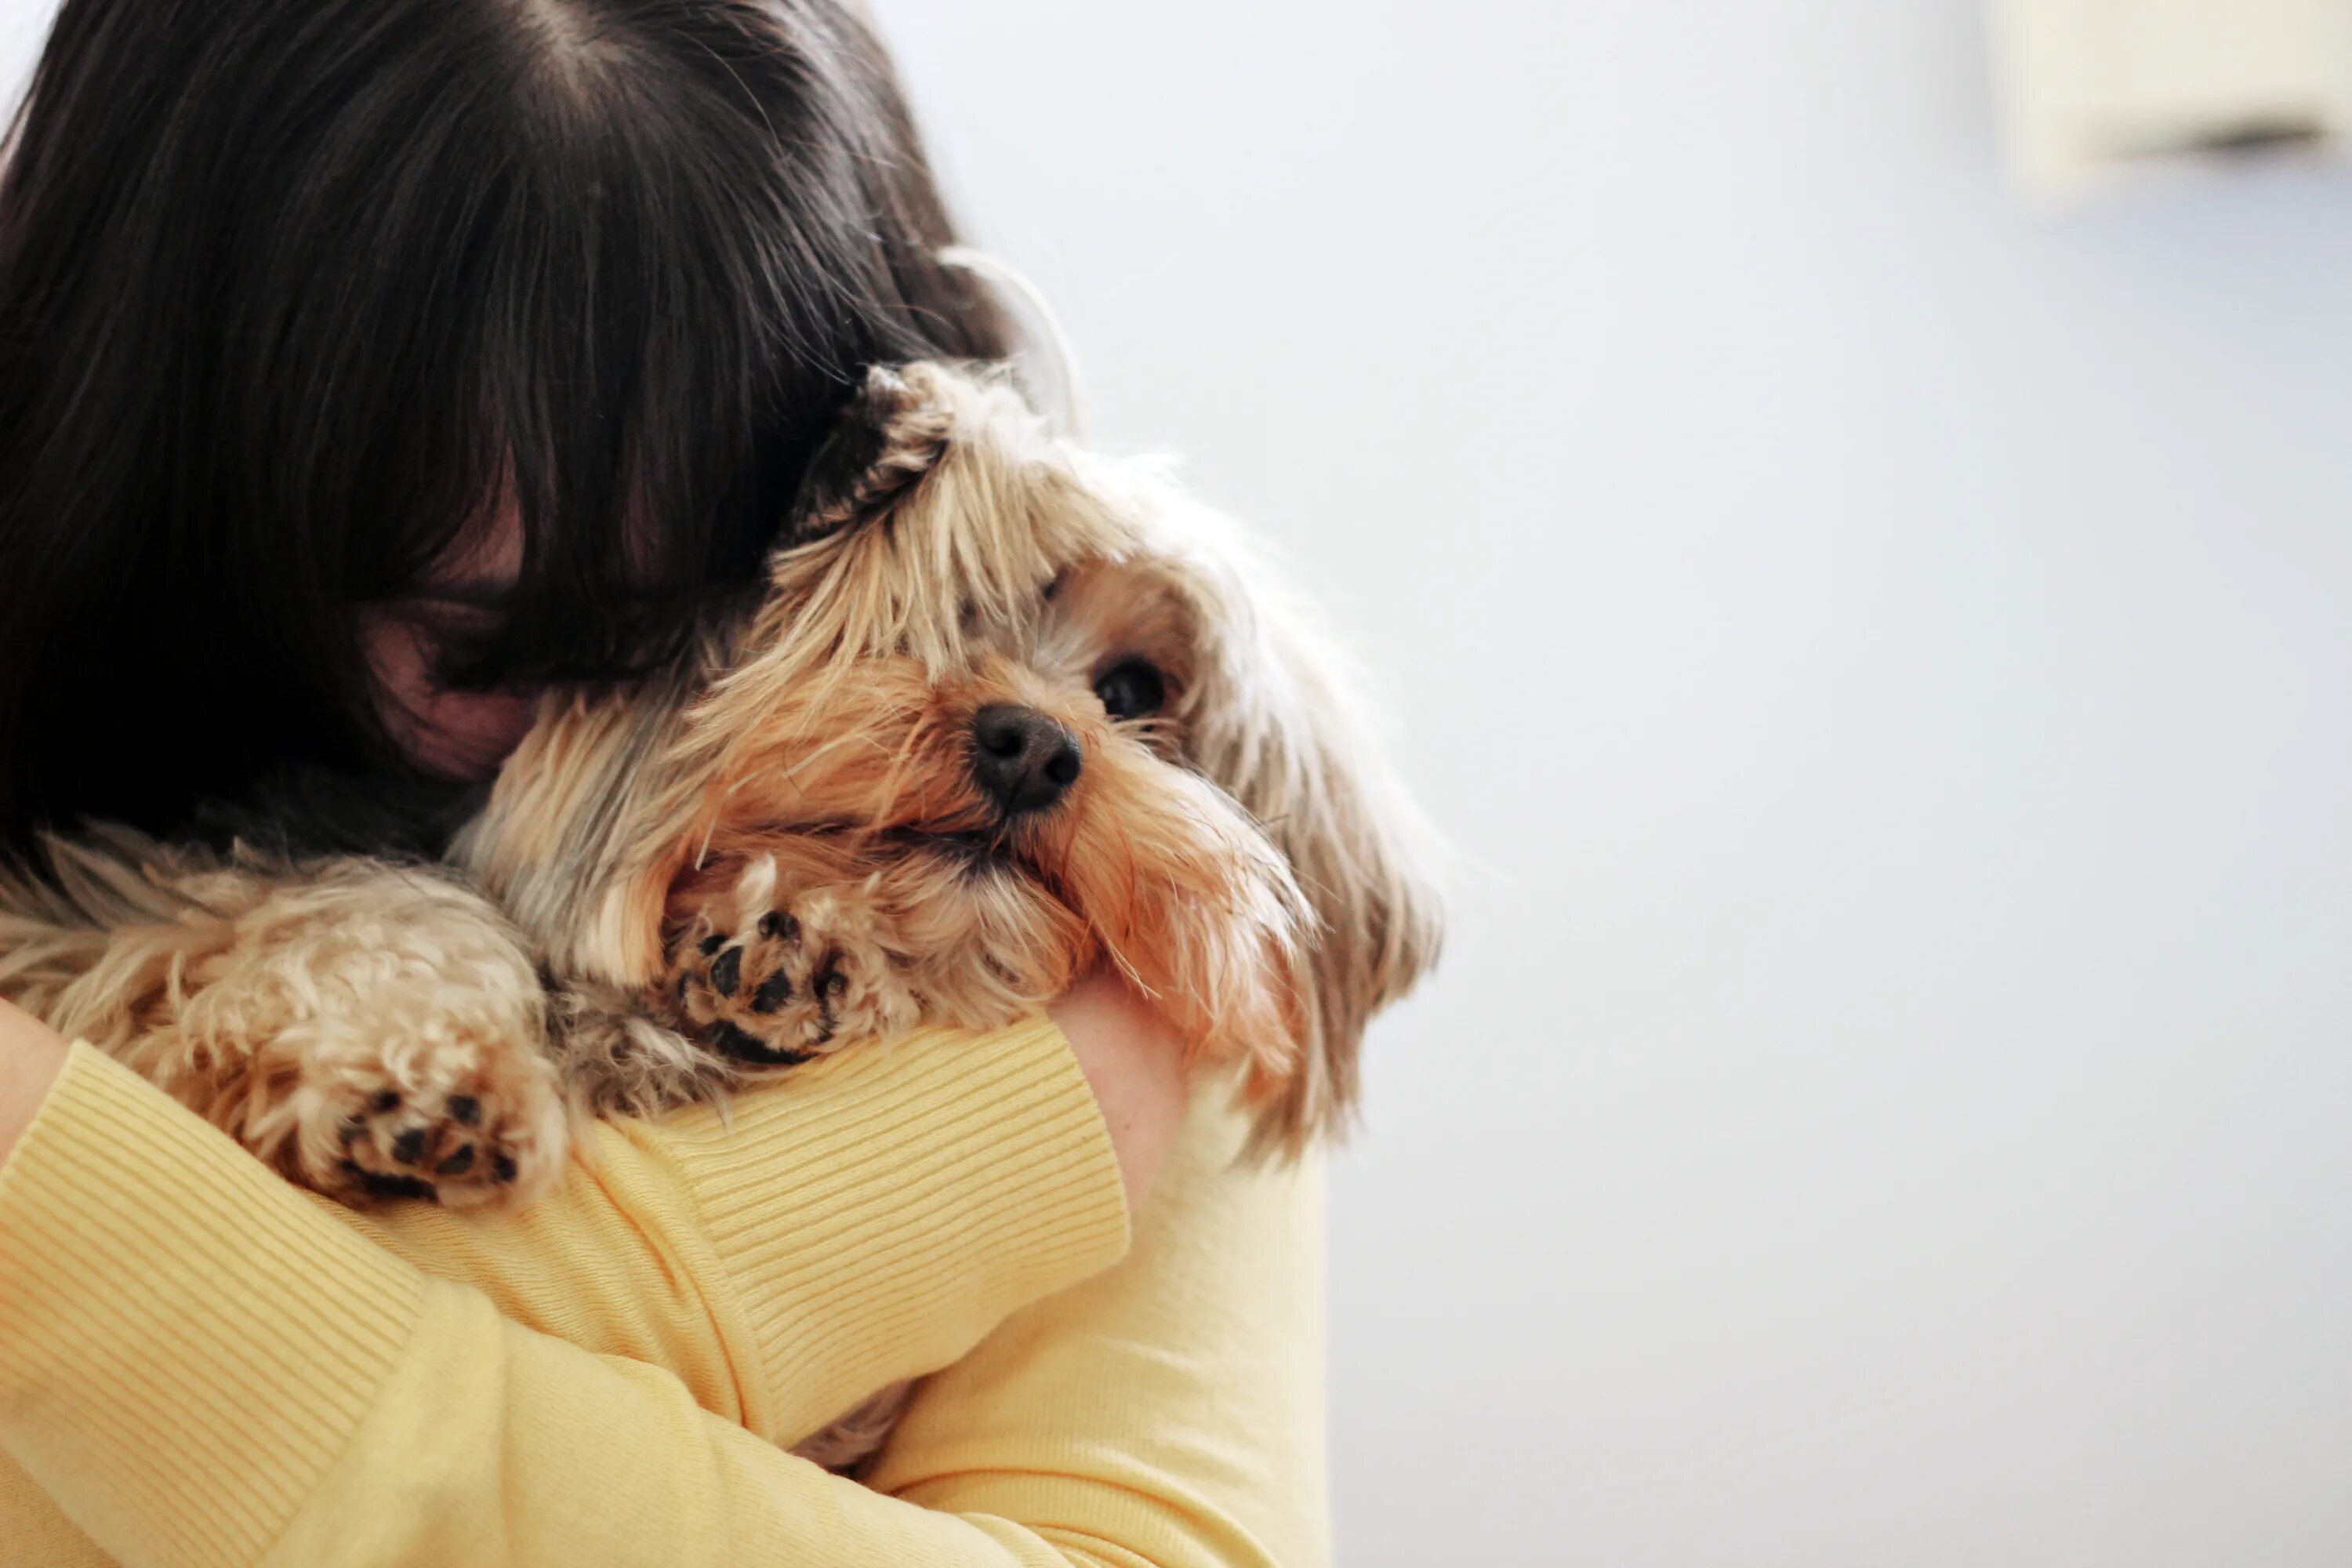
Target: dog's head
{"x": 1057, "y": 709}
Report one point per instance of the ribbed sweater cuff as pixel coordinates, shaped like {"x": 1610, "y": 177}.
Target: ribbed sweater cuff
{"x": 982, "y": 1180}
{"x": 178, "y": 1320}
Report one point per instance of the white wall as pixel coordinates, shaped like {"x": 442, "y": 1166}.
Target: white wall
{"x": 22, "y": 23}
{"x": 1885, "y": 1101}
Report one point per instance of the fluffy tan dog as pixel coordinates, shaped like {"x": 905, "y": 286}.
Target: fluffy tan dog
{"x": 1003, "y": 710}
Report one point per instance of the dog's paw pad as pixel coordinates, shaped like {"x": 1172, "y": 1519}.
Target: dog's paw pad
{"x": 771, "y": 995}
{"x": 791, "y": 986}
{"x": 496, "y": 1135}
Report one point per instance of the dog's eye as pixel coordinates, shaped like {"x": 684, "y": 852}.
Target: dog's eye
{"x": 1132, "y": 689}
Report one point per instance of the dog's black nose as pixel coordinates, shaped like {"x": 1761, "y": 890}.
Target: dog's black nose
{"x": 1024, "y": 759}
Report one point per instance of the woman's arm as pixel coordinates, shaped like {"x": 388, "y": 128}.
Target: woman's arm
{"x": 786, "y": 1255}
{"x": 1169, "y": 1411}
{"x": 240, "y": 1375}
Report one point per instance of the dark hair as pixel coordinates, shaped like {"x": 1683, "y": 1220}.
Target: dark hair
{"x": 292, "y": 292}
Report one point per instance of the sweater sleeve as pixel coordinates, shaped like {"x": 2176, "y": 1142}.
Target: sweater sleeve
{"x": 1167, "y": 1413}
{"x": 198, "y": 1363}
{"x": 810, "y": 1243}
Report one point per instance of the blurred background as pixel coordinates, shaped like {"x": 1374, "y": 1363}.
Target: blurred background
{"x": 1879, "y": 645}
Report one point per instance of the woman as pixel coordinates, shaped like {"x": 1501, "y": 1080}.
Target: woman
{"x": 365, "y": 367}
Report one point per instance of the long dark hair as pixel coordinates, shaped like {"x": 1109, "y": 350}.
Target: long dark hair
{"x": 295, "y": 293}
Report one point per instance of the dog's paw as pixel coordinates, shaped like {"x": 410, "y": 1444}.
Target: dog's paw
{"x": 801, "y": 980}
{"x": 457, "y": 1123}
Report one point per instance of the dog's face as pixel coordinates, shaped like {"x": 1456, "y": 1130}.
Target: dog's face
{"x": 1026, "y": 796}
{"x": 1044, "y": 709}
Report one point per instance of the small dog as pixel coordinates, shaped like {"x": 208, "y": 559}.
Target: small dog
{"x": 1003, "y": 710}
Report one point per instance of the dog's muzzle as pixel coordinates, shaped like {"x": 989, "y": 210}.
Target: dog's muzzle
{"x": 1024, "y": 761}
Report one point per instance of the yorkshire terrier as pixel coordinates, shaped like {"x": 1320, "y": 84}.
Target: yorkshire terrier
{"x": 1005, "y": 709}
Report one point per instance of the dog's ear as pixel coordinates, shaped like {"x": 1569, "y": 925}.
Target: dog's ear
{"x": 940, "y": 504}
{"x": 1364, "y": 855}
{"x": 892, "y": 432}
{"x": 1279, "y": 724}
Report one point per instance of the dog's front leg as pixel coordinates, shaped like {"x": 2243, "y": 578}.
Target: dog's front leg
{"x": 372, "y": 1030}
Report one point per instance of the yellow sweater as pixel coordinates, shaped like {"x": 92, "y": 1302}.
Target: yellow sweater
{"x": 202, "y": 1366}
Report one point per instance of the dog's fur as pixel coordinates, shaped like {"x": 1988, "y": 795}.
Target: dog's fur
{"x": 783, "y": 844}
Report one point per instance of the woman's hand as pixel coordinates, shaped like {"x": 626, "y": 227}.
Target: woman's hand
{"x": 1134, "y": 1064}
{"x": 31, "y": 1055}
